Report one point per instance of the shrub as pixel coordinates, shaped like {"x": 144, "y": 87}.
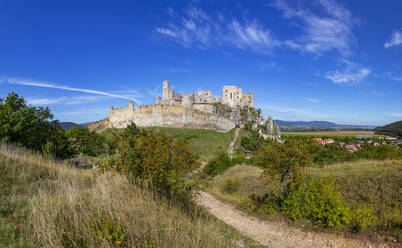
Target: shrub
{"x": 218, "y": 164}
{"x": 154, "y": 159}
{"x": 230, "y": 185}
{"x": 362, "y": 217}
{"x": 317, "y": 200}
{"x": 107, "y": 228}
{"x": 86, "y": 142}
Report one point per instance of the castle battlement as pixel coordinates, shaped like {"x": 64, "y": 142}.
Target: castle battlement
{"x": 182, "y": 110}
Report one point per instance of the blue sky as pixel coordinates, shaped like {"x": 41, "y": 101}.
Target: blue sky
{"x": 329, "y": 60}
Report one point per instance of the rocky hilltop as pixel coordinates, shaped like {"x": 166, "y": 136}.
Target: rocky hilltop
{"x": 201, "y": 110}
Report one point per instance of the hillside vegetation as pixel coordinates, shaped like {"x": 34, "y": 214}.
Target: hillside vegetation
{"x": 371, "y": 189}
{"x": 203, "y": 143}
{"x": 48, "y": 204}
{"x": 393, "y": 129}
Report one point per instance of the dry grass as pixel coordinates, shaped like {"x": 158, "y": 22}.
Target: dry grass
{"x": 333, "y": 133}
{"x": 248, "y": 178}
{"x": 373, "y": 184}
{"x": 48, "y": 204}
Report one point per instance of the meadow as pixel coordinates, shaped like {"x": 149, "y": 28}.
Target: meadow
{"x": 372, "y": 185}
{"x": 203, "y": 143}
{"x": 51, "y": 204}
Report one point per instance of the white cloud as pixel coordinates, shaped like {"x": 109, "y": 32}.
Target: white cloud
{"x": 396, "y": 39}
{"x": 72, "y": 100}
{"x": 329, "y": 30}
{"x": 156, "y": 91}
{"x": 394, "y": 114}
{"x": 396, "y": 78}
{"x": 196, "y": 28}
{"x": 349, "y": 77}
{"x": 351, "y": 74}
{"x": 62, "y": 87}
{"x": 321, "y": 32}
{"x": 286, "y": 112}
{"x": 313, "y": 100}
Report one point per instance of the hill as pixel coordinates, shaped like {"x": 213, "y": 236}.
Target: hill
{"x": 393, "y": 129}
{"x": 66, "y": 125}
{"x": 49, "y": 204}
{"x": 318, "y": 125}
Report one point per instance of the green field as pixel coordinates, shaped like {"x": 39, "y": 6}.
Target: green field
{"x": 204, "y": 143}
{"x": 332, "y": 133}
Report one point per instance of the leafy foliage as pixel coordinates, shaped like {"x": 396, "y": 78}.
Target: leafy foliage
{"x": 317, "y": 200}
{"x": 285, "y": 160}
{"x": 86, "y": 142}
{"x": 220, "y": 163}
{"x": 31, "y": 127}
{"x": 153, "y": 158}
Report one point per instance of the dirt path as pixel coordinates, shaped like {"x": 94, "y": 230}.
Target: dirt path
{"x": 233, "y": 143}
{"x": 273, "y": 234}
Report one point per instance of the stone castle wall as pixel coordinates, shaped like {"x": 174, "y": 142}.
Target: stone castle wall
{"x": 161, "y": 115}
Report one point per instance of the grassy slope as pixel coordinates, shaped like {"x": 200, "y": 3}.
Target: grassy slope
{"x": 375, "y": 184}
{"x": 205, "y": 143}
{"x": 52, "y": 205}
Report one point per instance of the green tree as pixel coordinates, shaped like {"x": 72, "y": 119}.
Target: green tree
{"x": 284, "y": 160}
{"x": 31, "y": 127}
{"x": 85, "y": 141}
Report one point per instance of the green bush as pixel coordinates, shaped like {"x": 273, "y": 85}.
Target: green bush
{"x": 317, "y": 200}
{"x": 362, "y": 217}
{"x": 86, "y": 142}
{"x": 107, "y": 228}
{"x": 31, "y": 127}
{"x": 154, "y": 159}
{"x": 230, "y": 185}
{"x": 218, "y": 164}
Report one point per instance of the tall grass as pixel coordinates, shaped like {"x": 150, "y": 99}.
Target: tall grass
{"x": 49, "y": 204}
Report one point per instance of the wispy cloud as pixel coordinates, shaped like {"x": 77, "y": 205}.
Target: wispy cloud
{"x": 156, "y": 91}
{"x": 394, "y": 114}
{"x": 352, "y": 74}
{"x": 64, "y": 100}
{"x": 196, "y": 28}
{"x": 396, "y": 78}
{"x": 331, "y": 29}
{"x": 63, "y": 87}
{"x": 324, "y": 32}
{"x": 313, "y": 100}
{"x": 396, "y": 39}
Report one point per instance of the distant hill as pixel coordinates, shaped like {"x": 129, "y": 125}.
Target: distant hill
{"x": 318, "y": 125}
{"x": 393, "y": 129}
{"x": 68, "y": 125}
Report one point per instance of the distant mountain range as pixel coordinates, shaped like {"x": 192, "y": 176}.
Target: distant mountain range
{"x": 319, "y": 125}
{"x": 284, "y": 125}
{"x": 68, "y": 125}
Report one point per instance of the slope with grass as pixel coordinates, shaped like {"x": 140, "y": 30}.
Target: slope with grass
{"x": 203, "y": 143}
{"x": 373, "y": 186}
{"x": 49, "y": 204}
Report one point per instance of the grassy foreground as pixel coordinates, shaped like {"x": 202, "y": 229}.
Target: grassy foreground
{"x": 203, "y": 143}
{"x": 374, "y": 185}
{"x": 48, "y": 204}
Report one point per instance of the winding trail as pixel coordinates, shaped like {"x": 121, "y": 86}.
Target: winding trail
{"x": 233, "y": 143}
{"x": 274, "y": 233}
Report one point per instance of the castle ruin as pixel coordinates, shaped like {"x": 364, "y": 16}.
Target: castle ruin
{"x": 201, "y": 110}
